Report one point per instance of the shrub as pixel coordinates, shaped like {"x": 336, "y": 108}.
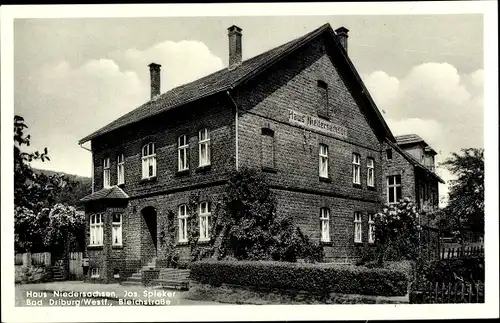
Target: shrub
{"x": 316, "y": 278}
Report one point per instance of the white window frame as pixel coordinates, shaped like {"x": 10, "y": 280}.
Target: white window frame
{"x": 182, "y": 151}
{"x": 120, "y": 169}
{"x": 370, "y": 174}
{"x": 356, "y": 168}
{"x": 204, "y": 141}
{"x": 94, "y": 272}
{"x": 324, "y": 216}
{"x": 204, "y": 213}
{"x": 148, "y": 160}
{"x": 96, "y": 229}
{"x": 117, "y": 230}
{"x": 358, "y": 227}
{"x": 371, "y": 228}
{"x": 323, "y": 161}
{"x": 106, "y": 173}
{"x": 395, "y": 190}
{"x": 183, "y": 223}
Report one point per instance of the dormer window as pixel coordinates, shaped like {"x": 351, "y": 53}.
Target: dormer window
{"x": 149, "y": 160}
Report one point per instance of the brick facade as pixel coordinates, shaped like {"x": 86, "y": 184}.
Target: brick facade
{"x": 307, "y": 81}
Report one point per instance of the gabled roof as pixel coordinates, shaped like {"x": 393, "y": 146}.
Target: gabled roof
{"x": 109, "y": 193}
{"x": 414, "y": 161}
{"x": 226, "y": 79}
{"x": 412, "y": 138}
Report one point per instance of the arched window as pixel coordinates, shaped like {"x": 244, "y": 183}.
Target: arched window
{"x": 205, "y": 214}
{"x": 149, "y": 160}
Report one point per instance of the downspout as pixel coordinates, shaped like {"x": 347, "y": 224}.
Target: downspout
{"x": 92, "y": 175}
{"x": 236, "y": 127}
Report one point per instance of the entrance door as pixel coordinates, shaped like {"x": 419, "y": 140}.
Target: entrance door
{"x": 149, "y": 234}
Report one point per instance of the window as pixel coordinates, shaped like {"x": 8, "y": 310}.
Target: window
{"x": 323, "y": 99}
{"x": 323, "y": 161}
{"x": 356, "y": 169}
{"x": 183, "y": 216}
{"x": 388, "y": 153}
{"x": 182, "y": 151}
{"x": 267, "y": 148}
{"x": 371, "y": 229}
{"x": 96, "y": 229}
{"x": 370, "y": 175}
{"x": 357, "y": 227}
{"x": 106, "y": 173}
{"x": 94, "y": 273}
{"x": 117, "y": 229}
{"x": 149, "y": 160}
{"x": 204, "y": 221}
{"x": 204, "y": 145}
{"x": 120, "y": 169}
{"x": 324, "y": 216}
{"x": 393, "y": 188}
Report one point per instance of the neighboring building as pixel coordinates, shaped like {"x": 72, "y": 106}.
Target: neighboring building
{"x": 298, "y": 112}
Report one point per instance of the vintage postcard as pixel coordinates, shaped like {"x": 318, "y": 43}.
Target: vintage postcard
{"x": 202, "y": 160}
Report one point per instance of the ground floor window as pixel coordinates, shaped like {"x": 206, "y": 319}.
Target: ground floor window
{"x": 371, "y": 229}
{"x": 357, "y": 227}
{"x": 117, "y": 230}
{"x": 325, "y": 224}
{"x": 183, "y": 217}
{"x": 96, "y": 229}
{"x": 205, "y": 221}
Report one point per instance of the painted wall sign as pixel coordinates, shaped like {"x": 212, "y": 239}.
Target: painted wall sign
{"x": 315, "y": 123}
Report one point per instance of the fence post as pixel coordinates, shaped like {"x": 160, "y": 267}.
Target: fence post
{"x": 470, "y": 292}
{"x": 27, "y": 259}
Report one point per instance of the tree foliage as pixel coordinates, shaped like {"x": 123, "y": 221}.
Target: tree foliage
{"x": 35, "y": 197}
{"x": 465, "y": 207}
{"x": 397, "y": 232}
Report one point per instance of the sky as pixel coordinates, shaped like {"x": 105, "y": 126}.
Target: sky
{"x": 73, "y": 76}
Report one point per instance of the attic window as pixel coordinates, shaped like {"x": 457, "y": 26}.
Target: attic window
{"x": 323, "y": 100}
{"x": 388, "y": 153}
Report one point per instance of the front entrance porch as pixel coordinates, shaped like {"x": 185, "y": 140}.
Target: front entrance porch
{"x": 149, "y": 235}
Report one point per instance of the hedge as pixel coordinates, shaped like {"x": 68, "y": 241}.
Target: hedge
{"x": 317, "y": 278}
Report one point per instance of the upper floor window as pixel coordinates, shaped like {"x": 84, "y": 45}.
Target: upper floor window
{"x": 183, "y": 217}
{"x": 356, "y": 165}
{"x": 358, "y": 235}
{"x": 267, "y": 148}
{"x": 106, "y": 173}
{"x": 96, "y": 229}
{"x": 323, "y": 161}
{"x": 370, "y": 174}
{"x": 149, "y": 160}
{"x": 324, "y": 217}
{"x": 323, "y": 99}
{"x": 205, "y": 221}
{"x": 204, "y": 146}
{"x": 393, "y": 188}
{"x": 388, "y": 153}
{"x": 182, "y": 150}
{"x": 371, "y": 229}
{"x": 116, "y": 225}
{"x": 120, "y": 169}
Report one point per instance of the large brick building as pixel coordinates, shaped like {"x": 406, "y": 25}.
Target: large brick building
{"x": 298, "y": 112}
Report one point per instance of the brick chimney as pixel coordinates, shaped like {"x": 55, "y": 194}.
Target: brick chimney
{"x": 154, "y": 71}
{"x": 234, "y": 33}
{"x": 342, "y": 34}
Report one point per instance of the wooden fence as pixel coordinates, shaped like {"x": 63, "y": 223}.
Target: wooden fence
{"x": 458, "y": 292}
{"x": 461, "y": 252}
{"x": 75, "y": 269}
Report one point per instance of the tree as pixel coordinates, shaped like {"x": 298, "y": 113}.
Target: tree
{"x": 32, "y": 192}
{"x": 397, "y": 232}
{"x": 466, "y": 193}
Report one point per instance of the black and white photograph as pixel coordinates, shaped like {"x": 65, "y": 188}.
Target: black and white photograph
{"x": 237, "y": 157}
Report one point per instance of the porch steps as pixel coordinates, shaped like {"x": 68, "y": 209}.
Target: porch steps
{"x": 57, "y": 274}
{"x": 136, "y": 278}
